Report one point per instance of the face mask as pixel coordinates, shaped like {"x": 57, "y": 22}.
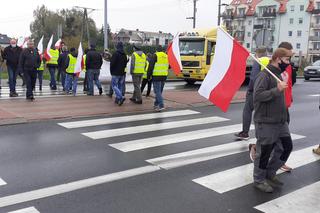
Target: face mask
{"x": 283, "y": 66}
{"x": 13, "y": 45}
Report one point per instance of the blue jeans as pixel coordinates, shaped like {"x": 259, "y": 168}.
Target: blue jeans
{"x": 117, "y": 86}
{"x": 40, "y": 77}
{"x": 12, "y": 73}
{"x": 93, "y": 75}
{"x": 158, "y": 89}
{"x": 53, "y": 83}
{"x": 71, "y": 80}
{"x": 63, "y": 78}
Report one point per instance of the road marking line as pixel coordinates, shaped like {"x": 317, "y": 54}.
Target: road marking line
{"x": 26, "y": 210}
{"x": 175, "y": 138}
{"x": 242, "y": 175}
{"x": 316, "y": 95}
{"x": 72, "y": 186}
{"x": 152, "y": 127}
{"x": 305, "y": 199}
{"x": 204, "y": 154}
{"x": 130, "y": 118}
{"x": 2, "y": 182}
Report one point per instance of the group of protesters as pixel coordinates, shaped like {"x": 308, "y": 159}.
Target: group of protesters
{"x": 146, "y": 70}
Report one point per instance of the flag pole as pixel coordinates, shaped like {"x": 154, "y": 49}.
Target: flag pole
{"x": 252, "y": 56}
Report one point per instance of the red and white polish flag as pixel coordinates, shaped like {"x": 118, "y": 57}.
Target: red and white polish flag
{"x": 227, "y": 71}
{"x": 174, "y": 55}
{"x": 79, "y": 64}
{"x": 57, "y": 45}
{"x": 47, "y": 51}
{"x": 40, "y": 46}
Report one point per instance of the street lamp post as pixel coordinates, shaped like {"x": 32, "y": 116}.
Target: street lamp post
{"x": 219, "y": 10}
{"x": 105, "y": 25}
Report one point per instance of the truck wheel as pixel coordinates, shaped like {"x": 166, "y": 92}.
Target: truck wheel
{"x": 190, "y": 81}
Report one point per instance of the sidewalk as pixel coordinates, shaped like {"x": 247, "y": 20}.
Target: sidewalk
{"x": 14, "y": 111}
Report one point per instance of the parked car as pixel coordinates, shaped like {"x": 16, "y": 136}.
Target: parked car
{"x": 312, "y": 71}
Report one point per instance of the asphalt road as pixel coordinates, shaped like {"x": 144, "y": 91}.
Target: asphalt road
{"x": 176, "y": 161}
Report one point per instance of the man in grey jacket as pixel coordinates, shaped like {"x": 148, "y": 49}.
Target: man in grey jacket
{"x": 271, "y": 123}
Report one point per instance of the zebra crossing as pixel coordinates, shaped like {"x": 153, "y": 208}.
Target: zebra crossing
{"x": 180, "y": 120}
{"x": 45, "y": 93}
{"x": 26, "y": 210}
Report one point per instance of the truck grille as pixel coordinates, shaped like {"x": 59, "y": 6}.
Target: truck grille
{"x": 190, "y": 63}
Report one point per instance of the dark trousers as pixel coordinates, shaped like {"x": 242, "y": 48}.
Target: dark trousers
{"x": 30, "y": 77}
{"x": 40, "y": 77}
{"x": 143, "y": 85}
{"x": 247, "y": 112}
{"x": 85, "y": 82}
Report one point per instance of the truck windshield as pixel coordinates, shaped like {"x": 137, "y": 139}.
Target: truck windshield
{"x": 191, "y": 47}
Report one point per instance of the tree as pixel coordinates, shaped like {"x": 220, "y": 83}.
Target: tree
{"x": 46, "y": 23}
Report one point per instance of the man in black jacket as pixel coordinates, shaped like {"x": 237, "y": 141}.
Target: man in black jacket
{"x": 62, "y": 64}
{"x": 118, "y": 64}
{"x": 29, "y": 62}
{"x": 93, "y": 64}
{"x": 11, "y": 54}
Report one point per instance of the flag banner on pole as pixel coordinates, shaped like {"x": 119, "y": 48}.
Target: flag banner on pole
{"x": 78, "y": 67}
{"x": 20, "y": 41}
{"x": 227, "y": 71}
{"x": 47, "y": 52}
{"x": 174, "y": 55}
{"x": 57, "y": 45}
{"x": 40, "y": 46}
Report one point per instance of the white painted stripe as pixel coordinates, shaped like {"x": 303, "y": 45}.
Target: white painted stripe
{"x": 152, "y": 127}
{"x": 316, "y": 95}
{"x": 72, "y": 186}
{"x": 130, "y": 118}
{"x": 305, "y": 199}
{"x": 176, "y": 138}
{"x": 2, "y": 182}
{"x": 26, "y": 210}
{"x": 242, "y": 175}
{"x": 205, "y": 154}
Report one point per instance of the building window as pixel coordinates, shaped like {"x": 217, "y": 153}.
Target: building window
{"x": 250, "y": 22}
{"x": 318, "y": 20}
{"x": 298, "y": 46}
{"x": 249, "y": 34}
{"x": 291, "y": 21}
{"x": 290, "y": 33}
{"x": 318, "y": 5}
{"x": 301, "y": 7}
{"x": 248, "y": 45}
{"x": 292, "y": 8}
{"x": 299, "y": 33}
{"x": 300, "y": 20}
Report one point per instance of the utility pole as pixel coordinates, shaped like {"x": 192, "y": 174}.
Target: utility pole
{"x": 219, "y": 10}
{"x": 106, "y": 24}
{"x": 85, "y": 23}
{"x": 194, "y": 13}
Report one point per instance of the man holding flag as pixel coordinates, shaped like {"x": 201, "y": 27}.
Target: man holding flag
{"x": 271, "y": 122}
{"x": 52, "y": 56}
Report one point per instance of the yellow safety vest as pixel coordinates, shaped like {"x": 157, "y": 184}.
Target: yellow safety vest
{"x": 161, "y": 67}
{"x": 145, "y": 74}
{"x": 264, "y": 61}
{"x": 41, "y": 68}
{"x": 84, "y": 62}
{"x": 140, "y": 63}
{"x": 72, "y": 64}
{"x": 54, "y": 57}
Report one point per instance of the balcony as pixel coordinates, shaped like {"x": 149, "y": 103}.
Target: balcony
{"x": 314, "y": 38}
{"x": 269, "y": 26}
{"x": 239, "y": 38}
{"x": 315, "y": 26}
{"x": 316, "y": 12}
{"x": 240, "y": 16}
{"x": 314, "y": 51}
{"x": 267, "y": 15}
{"x": 226, "y": 16}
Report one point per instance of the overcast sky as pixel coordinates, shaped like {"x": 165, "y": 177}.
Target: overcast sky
{"x": 147, "y": 15}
